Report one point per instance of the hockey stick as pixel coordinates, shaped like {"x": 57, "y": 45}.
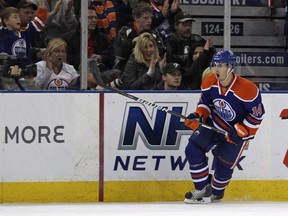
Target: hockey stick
{"x": 96, "y": 73}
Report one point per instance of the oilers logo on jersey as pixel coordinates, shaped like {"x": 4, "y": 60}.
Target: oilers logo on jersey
{"x": 58, "y": 84}
{"x": 224, "y": 110}
{"x": 19, "y": 48}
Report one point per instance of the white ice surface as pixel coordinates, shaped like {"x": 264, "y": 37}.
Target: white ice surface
{"x": 148, "y": 209}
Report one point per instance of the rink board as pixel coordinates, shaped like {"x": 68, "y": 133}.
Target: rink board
{"x": 135, "y": 191}
{"x": 103, "y": 147}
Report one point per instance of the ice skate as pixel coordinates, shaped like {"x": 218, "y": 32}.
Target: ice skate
{"x": 196, "y": 196}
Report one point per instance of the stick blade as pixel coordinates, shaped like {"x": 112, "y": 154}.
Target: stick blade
{"x": 284, "y": 114}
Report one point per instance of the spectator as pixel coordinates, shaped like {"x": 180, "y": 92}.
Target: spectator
{"x": 163, "y": 15}
{"x": 123, "y": 13}
{"x": 99, "y": 47}
{"x": 16, "y": 41}
{"x": 10, "y": 43}
{"x": 142, "y": 71}
{"x": 142, "y": 14}
{"x": 29, "y": 14}
{"x": 180, "y": 42}
{"x": 199, "y": 58}
{"x": 53, "y": 73}
{"x": 171, "y": 78}
{"x": 107, "y": 21}
{"x": 99, "y": 50}
{"x": 61, "y": 21}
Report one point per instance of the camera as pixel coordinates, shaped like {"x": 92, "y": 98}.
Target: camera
{"x": 12, "y": 66}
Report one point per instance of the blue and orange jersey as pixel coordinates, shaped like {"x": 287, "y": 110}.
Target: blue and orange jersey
{"x": 12, "y": 43}
{"x": 106, "y": 13}
{"x": 38, "y": 22}
{"x": 240, "y": 102}
{"x": 29, "y": 31}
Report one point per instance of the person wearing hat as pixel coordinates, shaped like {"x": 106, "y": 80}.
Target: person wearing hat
{"x": 27, "y": 12}
{"x": 171, "y": 77}
{"x": 33, "y": 19}
{"x": 180, "y": 42}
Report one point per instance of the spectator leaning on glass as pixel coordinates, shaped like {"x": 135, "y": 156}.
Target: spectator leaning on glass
{"x": 53, "y": 73}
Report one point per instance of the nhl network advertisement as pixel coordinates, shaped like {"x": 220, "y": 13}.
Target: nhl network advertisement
{"x": 142, "y": 143}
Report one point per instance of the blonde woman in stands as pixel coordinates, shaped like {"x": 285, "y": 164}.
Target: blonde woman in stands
{"x": 142, "y": 71}
{"x": 53, "y": 73}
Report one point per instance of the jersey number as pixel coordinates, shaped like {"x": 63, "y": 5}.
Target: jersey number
{"x": 257, "y": 111}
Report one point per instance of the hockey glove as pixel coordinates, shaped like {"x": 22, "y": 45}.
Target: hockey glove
{"x": 192, "y": 121}
{"x": 236, "y": 134}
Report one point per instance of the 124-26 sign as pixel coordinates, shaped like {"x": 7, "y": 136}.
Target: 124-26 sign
{"x": 217, "y": 28}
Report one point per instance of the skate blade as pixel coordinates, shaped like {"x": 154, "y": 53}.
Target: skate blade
{"x": 208, "y": 200}
{"x": 198, "y": 201}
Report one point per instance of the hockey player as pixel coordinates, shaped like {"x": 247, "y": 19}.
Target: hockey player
{"x": 232, "y": 104}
